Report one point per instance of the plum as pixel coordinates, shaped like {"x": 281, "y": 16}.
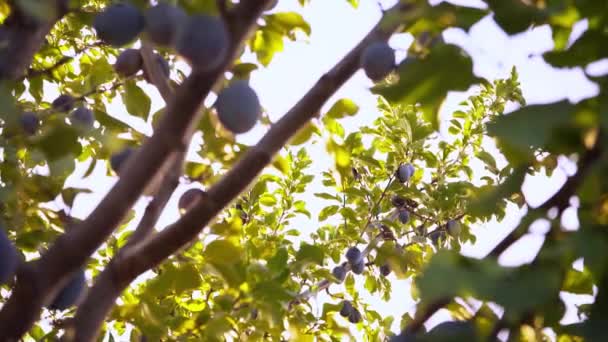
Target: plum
{"x": 353, "y": 255}
{"x": 83, "y": 117}
{"x": 189, "y": 198}
{"x": 453, "y": 228}
{"x": 238, "y": 107}
{"x": 119, "y": 24}
{"x": 398, "y": 201}
{"x": 378, "y": 60}
{"x": 9, "y": 258}
{"x": 385, "y": 270}
{"x": 404, "y": 216}
{"x": 347, "y": 308}
{"x": 203, "y": 40}
{"x": 339, "y": 272}
{"x": 63, "y": 103}
{"x": 71, "y": 292}
{"x": 436, "y": 236}
{"x": 128, "y": 63}
{"x": 355, "y": 316}
{"x": 29, "y": 122}
{"x": 358, "y": 267}
{"x": 162, "y": 23}
{"x": 405, "y": 172}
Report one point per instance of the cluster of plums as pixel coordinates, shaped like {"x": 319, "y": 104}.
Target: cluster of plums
{"x": 202, "y": 40}
{"x": 9, "y": 261}
{"x": 81, "y": 117}
{"x": 350, "y": 312}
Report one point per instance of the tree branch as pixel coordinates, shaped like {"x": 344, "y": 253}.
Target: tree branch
{"x": 62, "y": 259}
{"x": 153, "y": 251}
{"x": 22, "y": 36}
{"x": 560, "y": 200}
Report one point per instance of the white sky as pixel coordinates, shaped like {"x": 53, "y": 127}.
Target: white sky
{"x": 336, "y": 28}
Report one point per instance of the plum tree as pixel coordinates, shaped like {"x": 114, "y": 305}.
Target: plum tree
{"x": 128, "y": 63}
{"x": 83, "y": 117}
{"x": 162, "y": 23}
{"x": 405, "y": 172}
{"x": 353, "y": 255}
{"x": 9, "y": 258}
{"x": 378, "y": 60}
{"x": 189, "y": 198}
{"x": 339, "y": 272}
{"x": 29, "y": 122}
{"x": 71, "y": 292}
{"x": 453, "y": 228}
{"x": 63, "y": 103}
{"x": 118, "y": 159}
{"x": 203, "y": 40}
{"x": 404, "y": 216}
{"x": 164, "y": 67}
{"x": 238, "y": 107}
{"x": 118, "y": 24}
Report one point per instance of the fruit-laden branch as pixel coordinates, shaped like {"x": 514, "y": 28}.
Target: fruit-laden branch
{"x": 149, "y": 253}
{"x": 559, "y": 200}
{"x": 22, "y": 35}
{"x": 85, "y": 323}
{"x": 39, "y": 281}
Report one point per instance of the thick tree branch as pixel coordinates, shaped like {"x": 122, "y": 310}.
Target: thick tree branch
{"x": 150, "y": 253}
{"x": 559, "y": 200}
{"x": 22, "y": 36}
{"x": 71, "y": 250}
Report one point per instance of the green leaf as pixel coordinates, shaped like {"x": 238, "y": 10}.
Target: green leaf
{"x": 427, "y": 81}
{"x": 223, "y": 252}
{"x": 136, "y": 100}
{"x": 342, "y": 108}
{"x": 310, "y": 253}
{"x": 590, "y": 47}
{"x": 488, "y": 198}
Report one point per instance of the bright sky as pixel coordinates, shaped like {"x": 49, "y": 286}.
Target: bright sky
{"x": 336, "y": 28}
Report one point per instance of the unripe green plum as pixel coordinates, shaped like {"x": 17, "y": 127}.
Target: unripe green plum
{"x": 83, "y": 117}
{"x": 353, "y": 255}
{"x": 119, "y": 24}
{"x": 358, "y": 267}
{"x": 405, "y": 172}
{"x": 162, "y": 23}
{"x": 29, "y": 123}
{"x": 340, "y": 273}
{"x": 128, "y": 63}
{"x": 238, "y": 107}
{"x": 355, "y": 316}
{"x": 347, "y": 308}
{"x": 117, "y": 160}
{"x": 71, "y": 292}
{"x": 203, "y": 41}
{"x": 63, "y": 103}
{"x": 189, "y": 198}
{"x": 9, "y": 258}
{"x": 454, "y": 228}
{"x": 164, "y": 67}
{"x": 378, "y": 60}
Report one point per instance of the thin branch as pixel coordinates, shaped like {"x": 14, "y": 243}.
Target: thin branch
{"x": 560, "y": 200}
{"x": 373, "y": 211}
{"x": 71, "y": 250}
